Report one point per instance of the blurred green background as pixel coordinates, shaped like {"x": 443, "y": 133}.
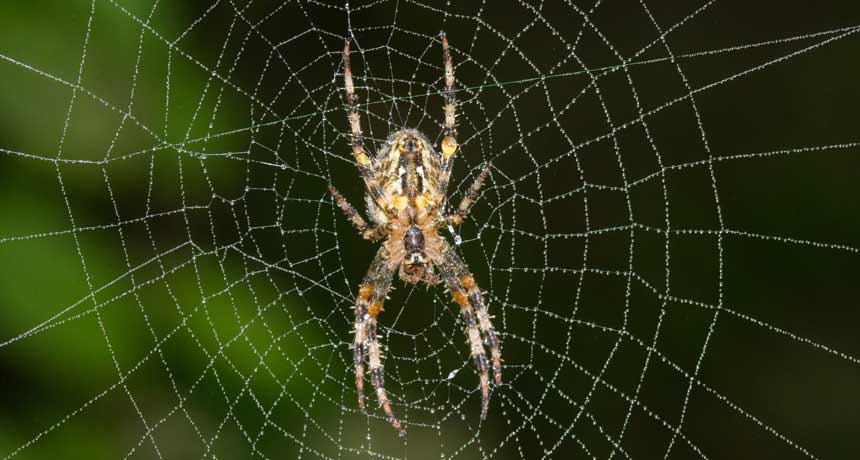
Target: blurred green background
{"x": 174, "y": 282}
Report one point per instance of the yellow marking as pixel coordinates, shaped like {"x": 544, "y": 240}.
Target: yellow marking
{"x": 460, "y": 298}
{"x": 402, "y": 147}
{"x": 364, "y": 292}
{"x": 449, "y": 147}
{"x": 374, "y": 309}
{"x": 360, "y": 156}
{"x": 399, "y": 202}
{"x": 468, "y": 281}
{"x": 456, "y": 219}
{"x": 421, "y": 201}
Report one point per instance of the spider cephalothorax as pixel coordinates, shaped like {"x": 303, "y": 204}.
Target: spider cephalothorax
{"x": 406, "y": 184}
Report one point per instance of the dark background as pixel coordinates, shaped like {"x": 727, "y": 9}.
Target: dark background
{"x": 668, "y": 238}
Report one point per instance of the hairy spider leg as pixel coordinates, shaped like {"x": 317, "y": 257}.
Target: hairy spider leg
{"x": 368, "y": 305}
{"x": 456, "y": 218}
{"x": 362, "y": 159}
{"x": 466, "y": 293}
{"x": 449, "y": 131}
{"x": 374, "y": 355}
{"x": 369, "y": 233}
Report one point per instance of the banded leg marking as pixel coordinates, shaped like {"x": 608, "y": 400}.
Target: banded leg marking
{"x": 368, "y": 305}
{"x": 468, "y": 296}
{"x": 374, "y": 354}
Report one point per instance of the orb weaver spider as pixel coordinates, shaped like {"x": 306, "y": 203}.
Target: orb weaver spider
{"x": 406, "y": 184}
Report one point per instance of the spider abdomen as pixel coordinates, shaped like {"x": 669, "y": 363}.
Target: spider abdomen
{"x": 408, "y": 173}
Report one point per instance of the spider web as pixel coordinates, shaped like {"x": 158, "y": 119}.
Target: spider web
{"x": 667, "y": 239}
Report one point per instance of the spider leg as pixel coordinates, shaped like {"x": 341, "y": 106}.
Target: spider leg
{"x": 374, "y": 355}
{"x": 457, "y": 216}
{"x": 369, "y": 233}
{"x": 358, "y": 151}
{"x": 368, "y": 305}
{"x": 449, "y": 131}
{"x": 466, "y": 293}
{"x": 364, "y": 162}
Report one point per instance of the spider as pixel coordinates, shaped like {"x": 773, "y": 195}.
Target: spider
{"x": 406, "y": 182}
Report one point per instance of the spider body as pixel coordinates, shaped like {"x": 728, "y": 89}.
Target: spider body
{"x": 406, "y": 184}
{"x": 408, "y": 176}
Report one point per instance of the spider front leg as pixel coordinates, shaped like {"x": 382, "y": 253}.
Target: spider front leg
{"x": 368, "y": 305}
{"x": 466, "y": 293}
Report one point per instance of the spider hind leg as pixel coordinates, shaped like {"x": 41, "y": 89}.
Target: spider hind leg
{"x": 449, "y": 130}
{"x": 358, "y": 150}
{"x": 364, "y": 162}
